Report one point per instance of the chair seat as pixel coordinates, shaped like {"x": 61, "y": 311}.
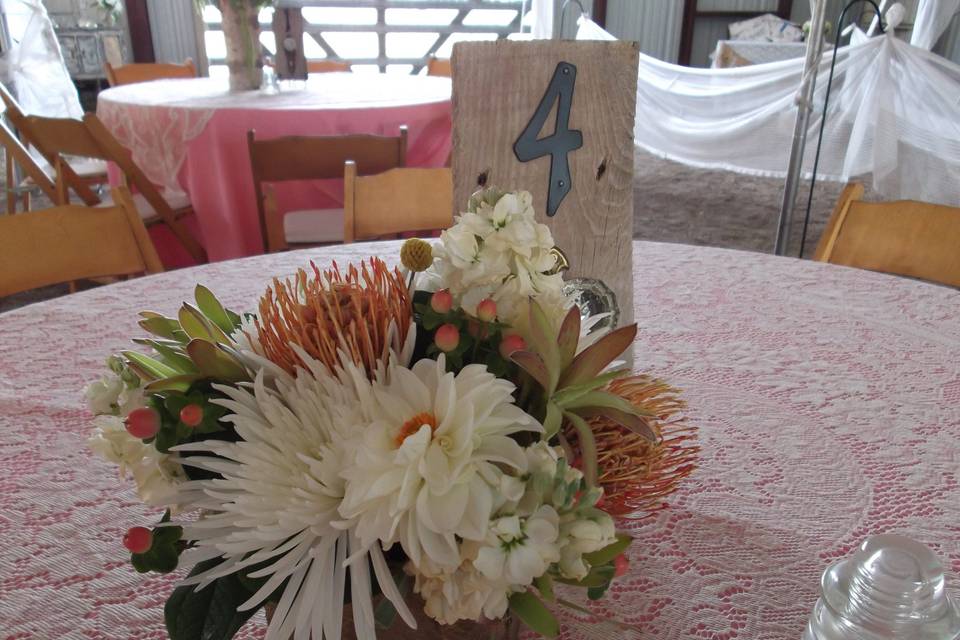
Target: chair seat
{"x": 88, "y": 167}
{"x": 179, "y": 202}
{"x": 313, "y": 226}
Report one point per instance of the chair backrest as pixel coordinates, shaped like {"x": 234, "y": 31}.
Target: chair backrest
{"x": 145, "y": 72}
{"x": 906, "y": 237}
{"x": 59, "y": 137}
{"x": 439, "y": 67}
{"x": 17, "y": 154}
{"x": 316, "y": 158}
{"x": 68, "y": 243}
{"x": 399, "y": 200}
{"x": 326, "y": 66}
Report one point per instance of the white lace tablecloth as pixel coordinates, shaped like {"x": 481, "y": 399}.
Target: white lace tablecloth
{"x": 828, "y": 401}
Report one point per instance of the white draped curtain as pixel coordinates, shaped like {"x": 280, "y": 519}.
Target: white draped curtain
{"x": 33, "y": 65}
{"x": 933, "y": 18}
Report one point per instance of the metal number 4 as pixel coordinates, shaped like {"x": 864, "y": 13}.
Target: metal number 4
{"x": 529, "y": 147}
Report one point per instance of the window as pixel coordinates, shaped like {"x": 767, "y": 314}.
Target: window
{"x": 394, "y": 36}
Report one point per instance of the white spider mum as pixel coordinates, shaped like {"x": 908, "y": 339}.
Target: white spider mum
{"x": 276, "y": 500}
{"x": 426, "y": 466}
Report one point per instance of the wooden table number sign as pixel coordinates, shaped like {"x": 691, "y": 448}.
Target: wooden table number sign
{"x": 555, "y": 118}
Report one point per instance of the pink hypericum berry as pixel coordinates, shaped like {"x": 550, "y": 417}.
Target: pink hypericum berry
{"x": 487, "y": 310}
{"x": 441, "y": 301}
{"x": 143, "y": 423}
{"x": 138, "y": 540}
{"x": 511, "y": 343}
{"x": 620, "y": 565}
{"x": 191, "y": 415}
{"x": 447, "y": 337}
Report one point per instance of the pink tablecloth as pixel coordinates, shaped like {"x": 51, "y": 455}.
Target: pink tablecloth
{"x": 828, "y": 402}
{"x": 191, "y": 135}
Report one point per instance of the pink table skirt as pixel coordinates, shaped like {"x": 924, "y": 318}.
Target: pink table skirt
{"x": 192, "y": 135}
{"x": 217, "y": 174}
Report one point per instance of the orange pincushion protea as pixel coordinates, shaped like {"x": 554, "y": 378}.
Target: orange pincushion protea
{"x": 327, "y": 311}
{"x": 636, "y": 474}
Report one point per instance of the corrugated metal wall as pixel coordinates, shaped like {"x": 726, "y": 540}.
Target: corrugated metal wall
{"x": 656, "y": 24}
{"x": 174, "y": 30}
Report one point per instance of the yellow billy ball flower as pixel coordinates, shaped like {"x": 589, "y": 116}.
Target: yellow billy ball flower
{"x": 416, "y": 255}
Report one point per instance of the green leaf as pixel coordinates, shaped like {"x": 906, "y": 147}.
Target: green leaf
{"x": 215, "y": 363}
{"x": 569, "y": 337}
{"x": 593, "y": 359}
{"x": 588, "y": 448}
{"x": 598, "y": 577}
{"x": 198, "y": 327}
{"x": 151, "y": 368}
{"x": 544, "y": 343}
{"x": 609, "y": 553}
{"x": 534, "y": 614}
{"x": 208, "y": 614}
{"x": 158, "y": 325}
{"x": 552, "y": 421}
{"x": 176, "y": 383}
{"x": 631, "y": 420}
{"x": 544, "y": 585}
{"x": 171, "y": 356}
{"x": 533, "y": 364}
{"x": 212, "y": 309}
{"x": 567, "y": 395}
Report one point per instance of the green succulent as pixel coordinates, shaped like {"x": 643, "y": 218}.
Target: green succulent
{"x": 572, "y": 387}
{"x": 194, "y": 346}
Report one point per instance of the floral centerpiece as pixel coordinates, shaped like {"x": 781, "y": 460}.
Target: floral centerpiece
{"x": 425, "y": 449}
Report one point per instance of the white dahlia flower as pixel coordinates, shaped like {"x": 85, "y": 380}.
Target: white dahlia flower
{"x": 278, "y": 498}
{"x": 463, "y": 594}
{"x": 426, "y": 463}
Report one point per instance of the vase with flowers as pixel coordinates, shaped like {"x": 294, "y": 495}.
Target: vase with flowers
{"x": 241, "y": 34}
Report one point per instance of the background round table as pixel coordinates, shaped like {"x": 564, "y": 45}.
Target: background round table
{"x": 191, "y": 136}
{"x": 828, "y": 402}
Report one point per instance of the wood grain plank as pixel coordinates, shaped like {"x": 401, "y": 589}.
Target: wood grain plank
{"x": 496, "y": 89}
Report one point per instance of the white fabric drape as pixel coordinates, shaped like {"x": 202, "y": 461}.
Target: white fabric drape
{"x": 543, "y": 23}
{"x": 34, "y": 64}
{"x": 893, "y": 113}
{"x": 933, "y": 18}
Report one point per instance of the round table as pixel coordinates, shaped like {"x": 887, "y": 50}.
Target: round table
{"x": 828, "y": 403}
{"x": 191, "y": 135}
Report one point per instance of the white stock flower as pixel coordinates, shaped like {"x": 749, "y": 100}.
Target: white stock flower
{"x": 580, "y": 535}
{"x": 463, "y": 594}
{"x": 157, "y": 475}
{"x": 276, "y": 502}
{"x": 110, "y": 396}
{"x": 419, "y": 470}
{"x": 500, "y": 251}
{"x": 518, "y": 550}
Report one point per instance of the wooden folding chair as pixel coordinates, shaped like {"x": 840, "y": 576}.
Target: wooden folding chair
{"x": 313, "y": 158}
{"x": 89, "y": 138}
{"x": 34, "y": 177}
{"x": 439, "y": 67}
{"x": 907, "y": 238}
{"x": 71, "y": 242}
{"x": 396, "y": 201}
{"x": 326, "y": 66}
{"x": 145, "y": 72}
{"x": 82, "y": 173}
